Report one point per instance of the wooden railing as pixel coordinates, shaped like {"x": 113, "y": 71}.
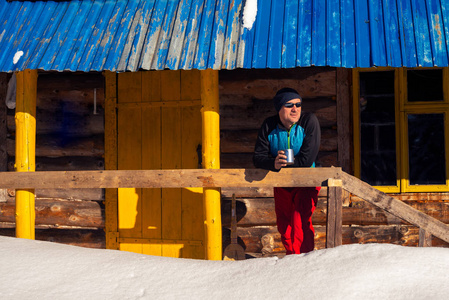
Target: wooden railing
{"x": 334, "y": 178}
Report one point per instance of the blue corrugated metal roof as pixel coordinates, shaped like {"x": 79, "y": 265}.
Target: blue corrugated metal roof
{"x": 130, "y": 35}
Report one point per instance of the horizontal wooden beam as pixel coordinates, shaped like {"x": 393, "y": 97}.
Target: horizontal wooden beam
{"x": 287, "y": 177}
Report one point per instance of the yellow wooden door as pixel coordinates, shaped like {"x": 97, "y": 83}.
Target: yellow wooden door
{"x": 158, "y": 126}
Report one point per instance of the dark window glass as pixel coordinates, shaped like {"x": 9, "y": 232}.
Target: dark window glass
{"x": 427, "y": 162}
{"x": 425, "y": 85}
{"x": 377, "y": 132}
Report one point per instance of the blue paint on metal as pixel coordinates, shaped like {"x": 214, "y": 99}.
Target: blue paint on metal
{"x": 362, "y": 36}
{"x": 319, "y": 49}
{"x": 407, "y": 33}
{"x": 422, "y": 38}
{"x": 393, "y": 46}
{"x": 445, "y": 15}
{"x": 131, "y": 35}
{"x": 333, "y": 33}
{"x": 262, "y": 29}
{"x": 304, "y": 34}
{"x": 193, "y": 27}
{"x": 377, "y": 32}
{"x": 274, "y": 51}
{"x": 347, "y": 34}
{"x": 204, "y": 38}
{"x": 438, "y": 39}
{"x": 289, "y": 34}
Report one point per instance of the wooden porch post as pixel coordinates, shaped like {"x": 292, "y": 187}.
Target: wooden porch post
{"x": 334, "y": 213}
{"x": 25, "y": 117}
{"x": 211, "y": 160}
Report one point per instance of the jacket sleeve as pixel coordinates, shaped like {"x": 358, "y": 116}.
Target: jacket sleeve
{"x": 311, "y": 144}
{"x": 262, "y": 156}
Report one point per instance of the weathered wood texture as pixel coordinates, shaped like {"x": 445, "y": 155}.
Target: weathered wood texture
{"x": 260, "y": 212}
{"x": 363, "y": 222}
{"x": 59, "y": 213}
{"x": 69, "y": 126}
{"x": 270, "y": 243}
{"x": 3, "y": 117}
{"x": 395, "y": 207}
{"x": 70, "y": 137}
{"x": 169, "y": 178}
{"x": 344, "y": 125}
{"x": 334, "y": 214}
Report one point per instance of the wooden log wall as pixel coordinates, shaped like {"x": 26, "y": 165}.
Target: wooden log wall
{"x": 362, "y": 222}
{"x": 70, "y": 136}
{"x": 246, "y": 100}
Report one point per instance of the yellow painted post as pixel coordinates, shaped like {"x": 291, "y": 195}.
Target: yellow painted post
{"x": 211, "y": 160}
{"x": 25, "y": 118}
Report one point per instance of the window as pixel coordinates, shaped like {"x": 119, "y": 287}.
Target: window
{"x": 401, "y": 125}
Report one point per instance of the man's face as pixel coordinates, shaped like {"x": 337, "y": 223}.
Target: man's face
{"x": 290, "y": 115}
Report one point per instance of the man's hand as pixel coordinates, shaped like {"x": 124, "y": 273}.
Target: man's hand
{"x": 281, "y": 160}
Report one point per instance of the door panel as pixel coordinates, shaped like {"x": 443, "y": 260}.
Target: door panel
{"x": 159, "y": 127}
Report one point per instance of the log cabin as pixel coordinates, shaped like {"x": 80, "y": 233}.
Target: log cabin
{"x": 120, "y": 85}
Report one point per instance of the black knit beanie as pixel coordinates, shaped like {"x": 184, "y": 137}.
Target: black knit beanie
{"x": 283, "y": 96}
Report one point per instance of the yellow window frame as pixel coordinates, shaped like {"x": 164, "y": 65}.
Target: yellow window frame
{"x": 402, "y": 109}
{"x": 406, "y": 108}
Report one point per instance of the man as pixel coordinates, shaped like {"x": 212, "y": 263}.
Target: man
{"x": 291, "y": 129}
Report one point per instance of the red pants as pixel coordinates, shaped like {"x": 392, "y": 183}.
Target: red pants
{"x": 294, "y": 208}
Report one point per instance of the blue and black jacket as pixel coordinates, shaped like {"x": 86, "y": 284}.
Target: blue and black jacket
{"x": 303, "y": 137}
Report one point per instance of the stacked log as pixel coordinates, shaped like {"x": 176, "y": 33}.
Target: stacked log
{"x": 245, "y": 101}
{"x": 69, "y": 136}
{"x": 362, "y": 222}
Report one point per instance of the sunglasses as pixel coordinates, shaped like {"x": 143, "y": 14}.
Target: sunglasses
{"x": 290, "y": 105}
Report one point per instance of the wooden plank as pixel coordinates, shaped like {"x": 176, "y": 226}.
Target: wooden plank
{"x": 151, "y": 159}
{"x": 334, "y": 214}
{"x": 263, "y": 83}
{"x": 343, "y": 118}
{"x": 110, "y": 158}
{"x": 171, "y": 198}
{"x": 170, "y": 85}
{"x": 425, "y": 238}
{"x": 56, "y": 145}
{"x": 169, "y": 178}
{"x": 66, "y": 163}
{"x": 72, "y": 194}
{"x": 151, "y": 198}
{"x": 395, "y": 207}
{"x": 192, "y": 199}
{"x": 129, "y": 124}
{"x": 3, "y": 125}
{"x": 129, "y": 87}
{"x": 151, "y": 88}
{"x": 190, "y": 85}
{"x": 3, "y": 195}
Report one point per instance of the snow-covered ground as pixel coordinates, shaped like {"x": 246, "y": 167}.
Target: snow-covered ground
{"x": 44, "y": 270}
